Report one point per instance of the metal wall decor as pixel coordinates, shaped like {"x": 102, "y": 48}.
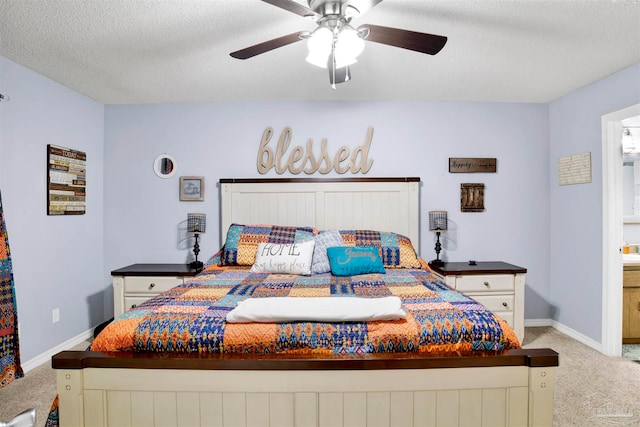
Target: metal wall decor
{"x": 472, "y": 197}
{"x": 66, "y": 181}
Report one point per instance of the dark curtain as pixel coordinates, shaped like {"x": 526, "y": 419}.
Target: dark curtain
{"x": 10, "y": 368}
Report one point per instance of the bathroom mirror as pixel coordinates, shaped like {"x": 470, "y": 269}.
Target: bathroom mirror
{"x": 165, "y": 166}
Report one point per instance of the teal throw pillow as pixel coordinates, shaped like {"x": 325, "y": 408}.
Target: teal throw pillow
{"x": 354, "y": 260}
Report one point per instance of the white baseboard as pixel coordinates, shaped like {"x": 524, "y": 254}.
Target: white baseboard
{"x": 533, "y": 323}
{"x": 571, "y": 333}
{"x": 46, "y": 356}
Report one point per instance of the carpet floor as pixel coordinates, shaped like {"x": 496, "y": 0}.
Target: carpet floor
{"x": 592, "y": 390}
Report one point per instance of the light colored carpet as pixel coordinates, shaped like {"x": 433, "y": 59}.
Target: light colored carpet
{"x": 592, "y": 390}
{"x": 36, "y": 389}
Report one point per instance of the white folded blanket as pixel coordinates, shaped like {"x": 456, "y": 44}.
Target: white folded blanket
{"x": 317, "y": 309}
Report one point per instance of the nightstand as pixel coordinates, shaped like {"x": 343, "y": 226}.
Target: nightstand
{"x": 496, "y": 285}
{"x": 137, "y": 283}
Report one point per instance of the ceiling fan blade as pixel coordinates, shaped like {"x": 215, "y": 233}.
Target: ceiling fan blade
{"x": 412, "y": 40}
{"x": 293, "y": 7}
{"x": 263, "y": 47}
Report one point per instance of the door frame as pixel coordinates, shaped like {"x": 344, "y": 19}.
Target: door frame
{"x": 612, "y": 229}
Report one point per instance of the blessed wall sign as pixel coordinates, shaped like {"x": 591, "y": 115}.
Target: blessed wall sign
{"x": 303, "y": 158}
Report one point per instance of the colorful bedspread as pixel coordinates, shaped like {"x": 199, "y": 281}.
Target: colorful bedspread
{"x": 191, "y": 317}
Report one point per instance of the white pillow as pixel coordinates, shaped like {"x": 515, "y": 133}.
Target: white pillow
{"x": 286, "y": 258}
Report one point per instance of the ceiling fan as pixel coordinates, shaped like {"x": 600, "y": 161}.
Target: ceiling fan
{"x": 335, "y": 44}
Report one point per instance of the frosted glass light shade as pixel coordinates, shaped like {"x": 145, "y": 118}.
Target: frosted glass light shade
{"x": 348, "y": 46}
{"x": 319, "y": 45}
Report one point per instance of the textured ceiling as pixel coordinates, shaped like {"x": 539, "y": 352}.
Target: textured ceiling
{"x": 122, "y": 52}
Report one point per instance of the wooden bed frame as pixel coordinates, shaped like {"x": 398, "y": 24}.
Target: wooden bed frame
{"x": 508, "y": 388}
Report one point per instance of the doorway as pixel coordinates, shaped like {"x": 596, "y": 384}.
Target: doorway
{"x": 612, "y": 236}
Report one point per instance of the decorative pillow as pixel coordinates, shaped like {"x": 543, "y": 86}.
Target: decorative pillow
{"x": 324, "y": 240}
{"x": 284, "y": 258}
{"x": 242, "y": 240}
{"x": 396, "y": 250}
{"x": 354, "y": 260}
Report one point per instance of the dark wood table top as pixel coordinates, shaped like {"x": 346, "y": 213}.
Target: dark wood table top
{"x": 481, "y": 267}
{"x": 155, "y": 270}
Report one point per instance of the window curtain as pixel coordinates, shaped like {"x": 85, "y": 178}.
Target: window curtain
{"x": 10, "y": 368}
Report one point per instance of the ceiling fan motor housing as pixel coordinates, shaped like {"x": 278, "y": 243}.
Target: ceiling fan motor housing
{"x": 328, "y": 7}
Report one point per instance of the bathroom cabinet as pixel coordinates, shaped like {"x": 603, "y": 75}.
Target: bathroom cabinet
{"x": 631, "y": 305}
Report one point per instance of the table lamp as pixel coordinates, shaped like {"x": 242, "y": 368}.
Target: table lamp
{"x": 438, "y": 224}
{"x": 196, "y": 224}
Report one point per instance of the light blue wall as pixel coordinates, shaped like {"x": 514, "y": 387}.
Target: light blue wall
{"x": 57, "y": 261}
{"x": 575, "y": 127}
{"x": 143, "y": 216}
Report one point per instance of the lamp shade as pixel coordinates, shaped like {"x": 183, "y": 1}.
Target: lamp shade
{"x": 437, "y": 220}
{"x": 196, "y": 222}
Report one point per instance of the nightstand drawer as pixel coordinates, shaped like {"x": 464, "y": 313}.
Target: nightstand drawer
{"x": 496, "y": 303}
{"x": 485, "y": 283}
{"x": 150, "y": 285}
{"x": 131, "y": 302}
{"x": 507, "y": 316}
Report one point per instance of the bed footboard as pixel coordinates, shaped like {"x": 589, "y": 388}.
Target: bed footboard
{"x": 512, "y": 388}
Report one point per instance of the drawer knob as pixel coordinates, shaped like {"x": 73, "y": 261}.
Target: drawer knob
{"x": 504, "y": 304}
{"x": 152, "y": 285}
{"x": 486, "y": 284}
{"x": 134, "y": 305}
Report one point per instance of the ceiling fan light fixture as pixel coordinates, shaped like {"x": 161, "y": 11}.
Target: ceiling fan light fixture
{"x": 348, "y": 46}
{"x": 319, "y": 44}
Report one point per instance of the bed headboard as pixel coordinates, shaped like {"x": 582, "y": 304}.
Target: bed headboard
{"x": 384, "y": 204}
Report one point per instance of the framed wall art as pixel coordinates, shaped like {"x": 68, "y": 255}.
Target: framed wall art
{"x": 66, "y": 181}
{"x": 192, "y": 188}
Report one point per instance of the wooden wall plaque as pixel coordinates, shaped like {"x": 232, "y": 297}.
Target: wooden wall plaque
{"x": 66, "y": 181}
{"x": 471, "y": 165}
{"x": 472, "y": 197}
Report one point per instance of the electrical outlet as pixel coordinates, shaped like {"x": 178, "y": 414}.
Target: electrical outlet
{"x": 55, "y": 315}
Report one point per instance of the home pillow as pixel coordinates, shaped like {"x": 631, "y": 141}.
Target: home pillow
{"x": 324, "y": 240}
{"x": 396, "y": 250}
{"x": 354, "y": 260}
{"x": 284, "y": 258}
{"x": 242, "y": 240}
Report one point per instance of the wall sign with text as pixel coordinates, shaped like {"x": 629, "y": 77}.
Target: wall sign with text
{"x": 66, "y": 181}
{"x": 307, "y": 159}
{"x": 471, "y": 165}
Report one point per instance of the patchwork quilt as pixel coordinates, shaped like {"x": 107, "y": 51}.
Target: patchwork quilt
{"x": 191, "y": 317}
